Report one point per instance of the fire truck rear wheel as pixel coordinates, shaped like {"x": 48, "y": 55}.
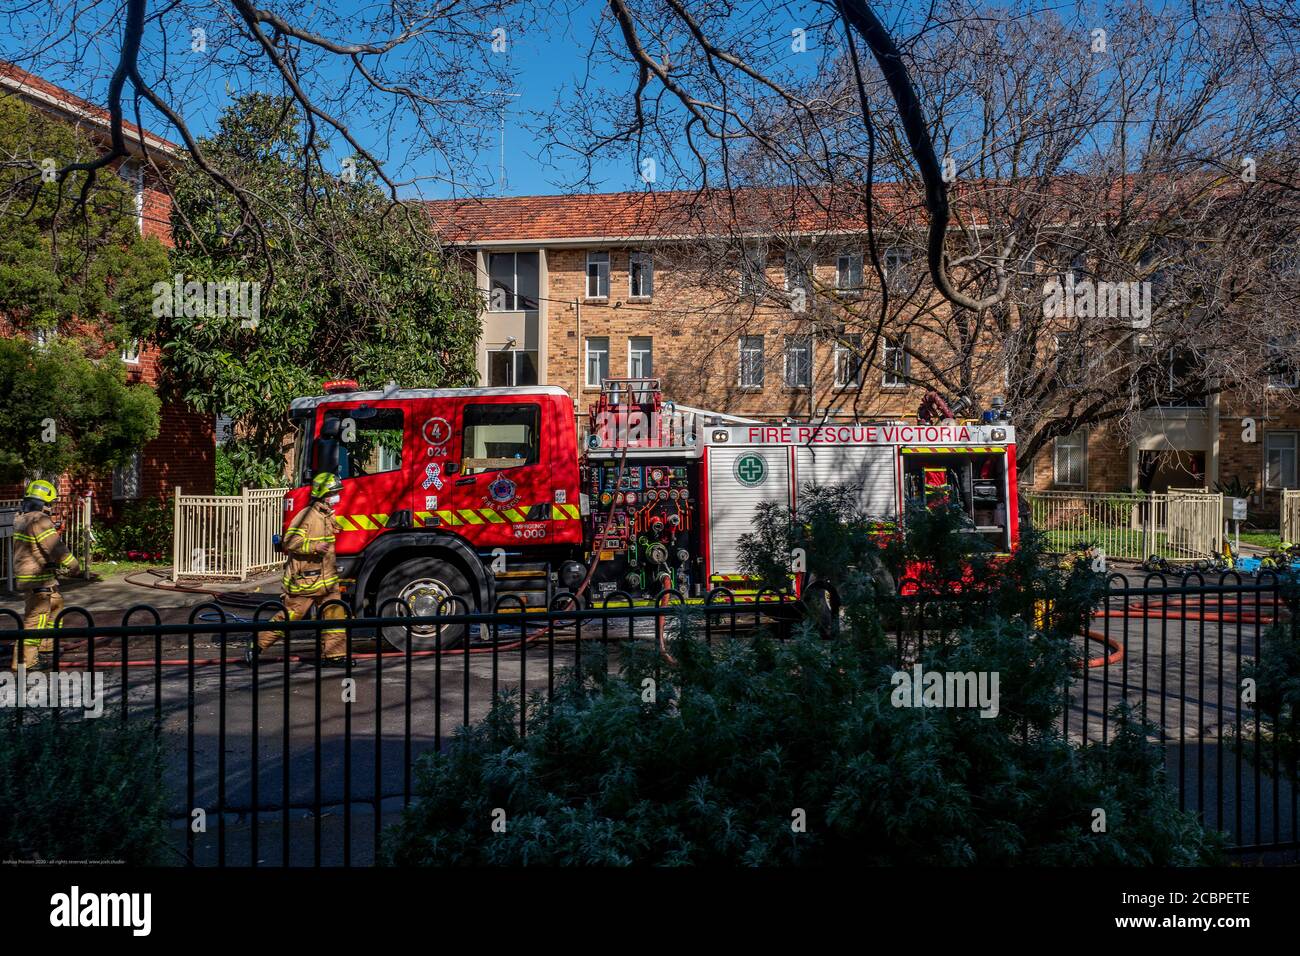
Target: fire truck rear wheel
{"x": 425, "y": 584}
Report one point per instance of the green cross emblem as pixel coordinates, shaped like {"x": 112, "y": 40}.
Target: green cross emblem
{"x": 751, "y": 470}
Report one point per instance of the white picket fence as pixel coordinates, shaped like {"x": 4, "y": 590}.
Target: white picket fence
{"x": 1179, "y": 525}
{"x": 75, "y": 513}
{"x": 1289, "y": 524}
{"x": 226, "y": 536}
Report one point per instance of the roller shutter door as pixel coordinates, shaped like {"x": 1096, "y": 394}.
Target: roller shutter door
{"x": 869, "y": 469}
{"x": 739, "y": 479}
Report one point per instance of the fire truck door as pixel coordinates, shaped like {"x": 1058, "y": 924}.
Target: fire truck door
{"x": 437, "y": 443}
{"x": 374, "y": 443}
{"x": 501, "y": 489}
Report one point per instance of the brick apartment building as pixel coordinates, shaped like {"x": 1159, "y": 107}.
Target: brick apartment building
{"x": 184, "y": 451}
{"x": 582, "y": 287}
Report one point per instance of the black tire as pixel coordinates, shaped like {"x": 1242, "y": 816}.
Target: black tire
{"x": 424, "y": 583}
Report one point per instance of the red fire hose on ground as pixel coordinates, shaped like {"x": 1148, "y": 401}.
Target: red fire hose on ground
{"x": 1217, "y": 609}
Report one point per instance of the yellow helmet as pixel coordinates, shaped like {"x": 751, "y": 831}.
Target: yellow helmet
{"x": 325, "y": 484}
{"x": 42, "y": 490}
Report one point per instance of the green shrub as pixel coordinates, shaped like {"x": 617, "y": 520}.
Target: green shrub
{"x": 81, "y": 789}
{"x": 742, "y": 740}
{"x": 143, "y": 531}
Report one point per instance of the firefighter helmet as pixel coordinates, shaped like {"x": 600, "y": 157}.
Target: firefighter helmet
{"x": 42, "y": 490}
{"x": 325, "y": 484}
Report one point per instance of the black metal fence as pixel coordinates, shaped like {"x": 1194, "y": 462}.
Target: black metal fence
{"x": 288, "y": 762}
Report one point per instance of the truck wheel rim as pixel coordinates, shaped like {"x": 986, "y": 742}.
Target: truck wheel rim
{"x": 423, "y": 597}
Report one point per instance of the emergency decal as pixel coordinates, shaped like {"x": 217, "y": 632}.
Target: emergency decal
{"x": 531, "y": 530}
{"x": 436, "y": 431}
{"x": 502, "y": 491}
{"x": 432, "y": 476}
{"x": 750, "y": 470}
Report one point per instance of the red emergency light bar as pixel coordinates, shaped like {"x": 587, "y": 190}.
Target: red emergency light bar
{"x": 341, "y": 385}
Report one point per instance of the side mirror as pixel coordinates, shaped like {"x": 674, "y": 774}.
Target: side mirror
{"x": 331, "y": 428}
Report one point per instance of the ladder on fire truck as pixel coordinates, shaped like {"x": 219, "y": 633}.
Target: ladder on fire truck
{"x": 631, "y": 412}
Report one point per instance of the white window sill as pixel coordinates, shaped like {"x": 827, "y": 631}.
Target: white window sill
{"x": 595, "y": 300}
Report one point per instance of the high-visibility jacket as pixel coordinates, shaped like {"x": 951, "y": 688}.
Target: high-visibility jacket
{"x": 39, "y": 551}
{"x": 306, "y": 572}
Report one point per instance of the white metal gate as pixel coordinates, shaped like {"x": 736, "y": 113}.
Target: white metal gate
{"x": 75, "y": 513}
{"x": 226, "y": 536}
{"x": 1289, "y": 523}
{"x": 1178, "y": 525}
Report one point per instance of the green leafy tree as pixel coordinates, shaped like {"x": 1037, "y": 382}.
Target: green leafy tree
{"x": 764, "y": 752}
{"x": 374, "y": 300}
{"x": 86, "y": 273}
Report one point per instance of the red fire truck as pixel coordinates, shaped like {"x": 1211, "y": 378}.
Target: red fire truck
{"x": 481, "y": 493}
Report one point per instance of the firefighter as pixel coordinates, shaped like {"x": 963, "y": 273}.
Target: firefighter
{"x": 311, "y": 576}
{"x": 39, "y": 557}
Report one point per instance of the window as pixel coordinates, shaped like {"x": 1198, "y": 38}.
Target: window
{"x": 895, "y": 361}
{"x": 1280, "y": 460}
{"x": 370, "y": 440}
{"x": 640, "y": 275}
{"x": 131, "y": 352}
{"x": 798, "y": 270}
{"x": 753, "y": 263}
{"x": 43, "y": 337}
{"x": 849, "y": 365}
{"x": 848, "y": 272}
{"x": 597, "y": 361}
{"x": 640, "y": 363}
{"x": 1070, "y": 460}
{"x": 897, "y": 271}
{"x": 798, "y": 361}
{"x": 133, "y": 174}
{"x": 513, "y": 278}
{"x": 1183, "y": 383}
{"x": 500, "y": 436}
{"x": 224, "y": 430}
{"x": 598, "y": 275}
{"x": 1284, "y": 368}
{"x": 510, "y": 367}
{"x": 126, "y": 480}
{"x": 1071, "y": 361}
{"x": 751, "y": 361}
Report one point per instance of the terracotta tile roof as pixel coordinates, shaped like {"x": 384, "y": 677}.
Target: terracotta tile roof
{"x": 17, "y": 79}
{"x": 627, "y": 215}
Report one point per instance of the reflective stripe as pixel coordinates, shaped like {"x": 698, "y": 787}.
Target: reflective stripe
{"x": 449, "y": 516}
{"x": 381, "y": 520}
{"x": 364, "y": 523}
{"x": 423, "y": 516}
{"x": 470, "y": 517}
{"x": 514, "y": 515}
{"x": 344, "y": 523}
{"x": 492, "y": 516}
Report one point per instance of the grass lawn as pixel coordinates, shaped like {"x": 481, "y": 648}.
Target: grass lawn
{"x": 1261, "y": 539}
{"x": 115, "y": 569}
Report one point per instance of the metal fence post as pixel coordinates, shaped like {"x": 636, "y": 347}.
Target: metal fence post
{"x": 245, "y": 537}
{"x": 176, "y": 534}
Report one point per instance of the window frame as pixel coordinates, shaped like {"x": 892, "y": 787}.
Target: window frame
{"x": 746, "y": 347}
{"x": 119, "y": 479}
{"x": 840, "y": 285}
{"x": 645, "y": 259}
{"x": 348, "y": 411}
{"x": 843, "y": 350}
{"x": 515, "y": 356}
{"x": 465, "y": 444}
{"x": 1061, "y": 442}
{"x": 753, "y": 270}
{"x": 1294, "y": 438}
{"x": 647, "y": 352}
{"x": 132, "y": 347}
{"x": 790, "y": 345}
{"x": 518, "y": 302}
{"x": 887, "y": 348}
{"x": 593, "y": 259}
{"x": 586, "y": 360}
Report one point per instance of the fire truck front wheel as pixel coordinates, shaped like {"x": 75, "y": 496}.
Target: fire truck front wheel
{"x": 426, "y": 585}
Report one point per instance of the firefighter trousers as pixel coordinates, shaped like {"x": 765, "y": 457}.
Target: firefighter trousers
{"x": 334, "y": 641}
{"x": 41, "y": 607}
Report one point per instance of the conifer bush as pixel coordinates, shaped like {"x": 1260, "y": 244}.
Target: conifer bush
{"x": 761, "y": 751}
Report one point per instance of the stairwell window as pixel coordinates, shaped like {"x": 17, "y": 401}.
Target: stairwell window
{"x": 753, "y": 266}
{"x": 848, "y": 273}
{"x": 896, "y": 362}
{"x": 640, "y": 360}
{"x": 132, "y": 173}
{"x": 597, "y": 360}
{"x": 848, "y": 361}
{"x": 798, "y": 361}
{"x": 598, "y": 275}
{"x": 751, "y": 361}
{"x": 1280, "y": 460}
{"x": 1070, "y": 460}
{"x": 131, "y": 352}
{"x": 640, "y": 275}
{"x": 514, "y": 281}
